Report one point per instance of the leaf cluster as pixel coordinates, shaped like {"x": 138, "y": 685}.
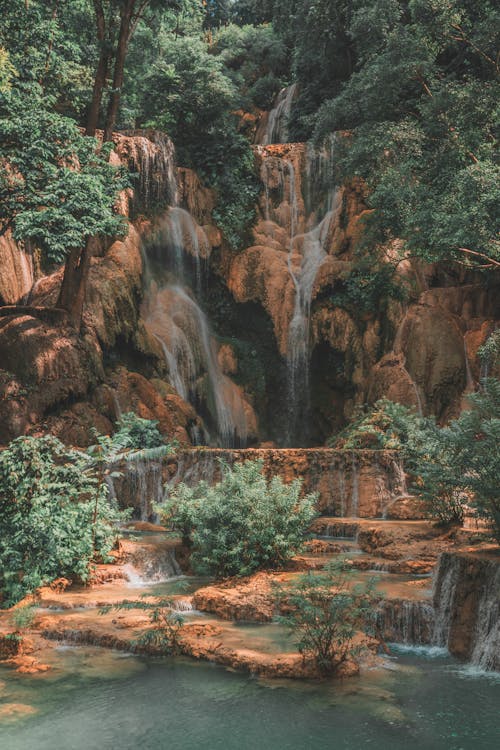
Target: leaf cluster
{"x": 243, "y": 523}
{"x": 325, "y": 611}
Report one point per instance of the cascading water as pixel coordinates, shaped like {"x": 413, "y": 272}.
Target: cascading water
{"x": 300, "y": 202}
{"x": 175, "y": 260}
{"x": 180, "y": 325}
{"x": 277, "y": 122}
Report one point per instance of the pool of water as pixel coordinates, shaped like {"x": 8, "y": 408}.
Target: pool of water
{"x": 97, "y": 700}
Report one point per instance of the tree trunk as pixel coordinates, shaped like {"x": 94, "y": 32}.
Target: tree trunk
{"x": 99, "y": 84}
{"x": 121, "y": 54}
{"x": 102, "y": 69}
{"x": 74, "y": 283}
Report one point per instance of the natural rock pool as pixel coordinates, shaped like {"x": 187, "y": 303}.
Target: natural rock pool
{"x": 98, "y": 700}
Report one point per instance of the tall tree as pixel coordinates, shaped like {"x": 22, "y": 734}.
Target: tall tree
{"x": 57, "y": 189}
{"x": 116, "y": 22}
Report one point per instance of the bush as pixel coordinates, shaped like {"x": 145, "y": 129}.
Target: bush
{"x": 325, "y": 611}
{"x": 134, "y": 433}
{"x": 54, "y": 516}
{"x": 386, "y": 426}
{"x": 243, "y": 523}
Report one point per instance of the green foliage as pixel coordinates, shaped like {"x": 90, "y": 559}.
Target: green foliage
{"x": 243, "y": 523}
{"x": 421, "y": 104}
{"x": 366, "y": 289}
{"x": 22, "y": 617}
{"x": 51, "y": 524}
{"x": 325, "y": 611}
{"x": 134, "y": 433}
{"x": 194, "y": 98}
{"x": 452, "y": 467}
{"x": 386, "y": 426}
{"x": 255, "y": 60}
{"x": 164, "y": 637}
{"x": 56, "y": 187}
{"x": 489, "y": 352}
{"x": 7, "y": 70}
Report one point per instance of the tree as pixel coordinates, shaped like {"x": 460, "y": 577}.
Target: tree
{"x": 243, "y": 523}
{"x": 195, "y": 98}
{"x": 325, "y": 611}
{"x": 116, "y": 22}
{"x": 47, "y": 525}
{"x": 420, "y": 106}
{"x": 57, "y": 189}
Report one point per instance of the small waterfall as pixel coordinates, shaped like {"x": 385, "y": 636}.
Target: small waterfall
{"x": 486, "y": 649}
{"x": 182, "y": 328}
{"x": 406, "y": 621}
{"x": 277, "y": 123}
{"x": 138, "y": 486}
{"x": 151, "y": 155}
{"x": 445, "y": 586}
{"x": 354, "y": 509}
{"x": 342, "y": 490}
{"x": 467, "y": 605}
{"x": 152, "y": 563}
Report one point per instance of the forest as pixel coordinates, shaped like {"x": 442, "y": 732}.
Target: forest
{"x": 249, "y": 373}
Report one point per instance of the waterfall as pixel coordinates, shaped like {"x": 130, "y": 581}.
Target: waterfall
{"x": 299, "y": 202}
{"x": 467, "y": 605}
{"x": 176, "y": 259}
{"x": 277, "y": 123}
{"x": 179, "y": 246}
{"x": 182, "y": 328}
{"x": 406, "y": 621}
{"x": 354, "y": 509}
{"x": 138, "y": 486}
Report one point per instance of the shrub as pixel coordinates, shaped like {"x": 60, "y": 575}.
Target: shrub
{"x": 243, "y": 523}
{"x": 134, "y": 433}
{"x": 164, "y": 637}
{"x": 325, "y": 611}
{"x": 386, "y": 426}
{"x": 54, "y": 516}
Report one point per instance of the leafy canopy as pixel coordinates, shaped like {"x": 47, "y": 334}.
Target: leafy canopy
{"x": 57, "y": 187}
{"x": 55, "y": 518}
{"x": 243, "y": 523}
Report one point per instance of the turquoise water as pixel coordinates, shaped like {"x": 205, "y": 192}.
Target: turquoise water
{"x": 98, "y": 700}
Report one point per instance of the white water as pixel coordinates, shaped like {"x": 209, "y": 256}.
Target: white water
{"x": 304, "y": 206}
{"x": 277, "y": 123}
{"x": 182, "y": 328}
{"x": 172, "y": 311}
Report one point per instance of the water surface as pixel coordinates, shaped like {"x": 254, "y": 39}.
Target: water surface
{"x": 97, "y": 700}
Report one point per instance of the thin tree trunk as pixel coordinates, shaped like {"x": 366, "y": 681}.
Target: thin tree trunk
{"x": 97, "y": 92}
{"x": 74, "y": 283}
{"x": 121, "y": 54}
{"x": 102, "y": 69}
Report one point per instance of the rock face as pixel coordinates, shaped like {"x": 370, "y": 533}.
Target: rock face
{"x": 348, "y": 483}
{"x": 467, "y": 604}
{"x": 272, "y": 352}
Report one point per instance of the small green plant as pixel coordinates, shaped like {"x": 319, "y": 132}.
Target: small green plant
{"x": 243, "y": 523}
{"x": 386, "y": 426}
{"x": 164, "y": 637}
{"x": 23, "y": 616}
{"x": 325, "y": 611}
{"x": 135, "y": 433}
